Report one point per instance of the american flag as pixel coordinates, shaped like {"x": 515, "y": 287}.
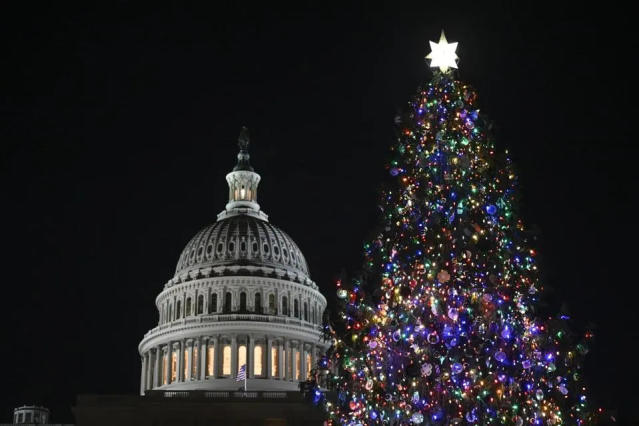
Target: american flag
{"x": 241, "y": 375}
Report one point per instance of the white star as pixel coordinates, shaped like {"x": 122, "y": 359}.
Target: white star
{"x": 442, "y": 54}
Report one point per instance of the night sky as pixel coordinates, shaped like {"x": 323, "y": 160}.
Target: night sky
{"x": 119, "y": 123}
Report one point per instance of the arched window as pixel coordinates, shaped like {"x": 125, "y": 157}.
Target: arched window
{"x": 174, "y": 360}
{"x": 178, "y": 309}
{"x": 258, "y": 303}
{"x": 275, "y": 361}
{"x": 284, "y": 305}
{"x": 241, "y": 358}
{"x": 305, "y": 311}
{"x": 200, "y": 304}
{"x": 257, "y": 360}
{"x": 227, "y": 303}
{"x": 296, "y": 308}
{"x": 194, "y": 362}
{"x": 271, "y": 304}
{"x": 187, "y": 307}
{"x": 210, "y": 360}
{"x": 213, "y": 303}
{"x": 226, "y": 360}
{"x": 242, "y": 302}
{"x": 185, "y": 363}
{"x": 170, "y": 312}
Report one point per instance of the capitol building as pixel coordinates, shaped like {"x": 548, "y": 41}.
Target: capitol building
{"x": 241, "y": 295}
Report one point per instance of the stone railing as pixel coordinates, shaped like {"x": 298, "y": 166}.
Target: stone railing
{"x": 225, "y": 395}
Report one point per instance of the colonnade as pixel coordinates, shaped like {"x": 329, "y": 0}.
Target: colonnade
{"x": 221, "y": 356}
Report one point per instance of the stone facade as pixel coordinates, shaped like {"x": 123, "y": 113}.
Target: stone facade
{"x": 241, "y": 295}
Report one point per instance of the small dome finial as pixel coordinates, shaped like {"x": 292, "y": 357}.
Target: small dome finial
{"x": 243, "y": 139}
{"x": 243, "y": 156}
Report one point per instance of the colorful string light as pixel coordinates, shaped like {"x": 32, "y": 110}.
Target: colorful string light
{"x": 451, "y": 334}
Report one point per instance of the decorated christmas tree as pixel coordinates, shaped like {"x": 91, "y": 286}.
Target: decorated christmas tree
{"x": 445, "y": 326}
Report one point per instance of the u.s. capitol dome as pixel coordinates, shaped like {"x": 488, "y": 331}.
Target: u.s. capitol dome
{"x": 241, "y": 296}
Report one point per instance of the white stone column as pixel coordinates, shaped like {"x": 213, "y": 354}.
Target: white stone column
{"x": 156, "y": 371}
{"x": 143, "y": 374}
{"x": 204, "y": 353}
{"x": 216, "y": 356}
{"x": 302, "y": 361}
{"x": 281, "y": 360}
{"x": 148, "y": 384}
{"x": 233, "y": 356}
{"x": 188, "y": 348}
{"x": 250, "y": 358}
{"x": 287, "y": 361}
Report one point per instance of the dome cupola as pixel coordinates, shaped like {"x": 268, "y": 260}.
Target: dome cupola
{"x": 243, "y": 182}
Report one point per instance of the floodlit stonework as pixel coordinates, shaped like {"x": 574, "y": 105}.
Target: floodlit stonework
{"x": 241, "y": 294}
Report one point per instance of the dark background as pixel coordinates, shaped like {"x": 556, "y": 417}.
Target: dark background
{"x": 119, "y": 123}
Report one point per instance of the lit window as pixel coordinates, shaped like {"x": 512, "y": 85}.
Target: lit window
{"x": 275, "y": 364}
{"x": 243, "y": 194}
{"x": 174, "y": 358}
{"x": 241, "y": 357}
{"x": 308, "y": 364}
{"x": 210, "y": 360}
{"x": 226, "y": 364}
{"x": 187, "y": 352}
{"x": 164, "y": 369}
{"x": 194, "y": 364}
{"x": 257, "y": 360}
{"x": 298, "y": 365}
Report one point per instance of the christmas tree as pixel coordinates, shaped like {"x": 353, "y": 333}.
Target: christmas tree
{"x": 445, "y": 327}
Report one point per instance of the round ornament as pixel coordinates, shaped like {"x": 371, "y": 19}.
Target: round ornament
{"x": 453, "y": 313}
{"x": 417, "y": 418}
{"x": 443, "y": 276}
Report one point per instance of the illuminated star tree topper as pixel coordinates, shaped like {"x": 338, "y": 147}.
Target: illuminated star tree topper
{"x": 443, "y": 54}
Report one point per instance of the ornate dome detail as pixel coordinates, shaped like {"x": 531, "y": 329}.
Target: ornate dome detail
{"x": 241, "y": 298}
{"x": 242, "y": 240}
